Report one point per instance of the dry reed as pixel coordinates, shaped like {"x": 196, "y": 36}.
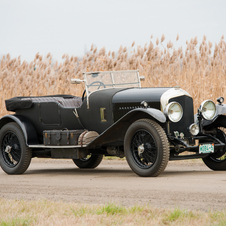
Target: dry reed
{"x": 199, "y": 69}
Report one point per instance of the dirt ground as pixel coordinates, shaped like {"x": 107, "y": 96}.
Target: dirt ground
{"x": 189, "y": 185}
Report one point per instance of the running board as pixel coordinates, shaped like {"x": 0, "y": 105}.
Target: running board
{"x": 64, "y": 152}
{"x": 57, "y": 147}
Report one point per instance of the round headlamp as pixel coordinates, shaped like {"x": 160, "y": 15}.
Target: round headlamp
{"x": 194, "y": 129}
{"x": 174, "y": 111}
{"x": 208, "y": 109}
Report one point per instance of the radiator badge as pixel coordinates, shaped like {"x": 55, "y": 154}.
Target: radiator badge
{"x": 179, "y": 135}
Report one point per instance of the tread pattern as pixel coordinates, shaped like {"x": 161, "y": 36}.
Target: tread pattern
{"x": 161, "y": 141}
{"x": 212, "y": 163}
{"x": 26, "y": 156}
{"x": 165, "y": 144}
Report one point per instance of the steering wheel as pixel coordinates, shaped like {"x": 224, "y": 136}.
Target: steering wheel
{"x": 101, "y": 84}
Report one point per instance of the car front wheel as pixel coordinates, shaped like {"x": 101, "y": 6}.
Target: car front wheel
{"x": 217, "y": 161}
{"x": 146, "y": 148}
{"x": 15, "y": 156}
{"x": 91, "y": 161}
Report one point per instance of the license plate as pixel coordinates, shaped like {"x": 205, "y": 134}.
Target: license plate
{"x": 206, "y": 148}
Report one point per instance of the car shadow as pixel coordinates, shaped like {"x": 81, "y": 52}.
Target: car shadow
{"x": 77, "y": 171}
{"x": 171, "y": 173}
{"x": 116, "y": 172}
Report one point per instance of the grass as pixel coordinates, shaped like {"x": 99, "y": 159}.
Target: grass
{"x": 17, "y": 222}
{"x": 45, "y": 212}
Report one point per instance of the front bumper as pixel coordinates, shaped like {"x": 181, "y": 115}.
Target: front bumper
{"x": 179, "y": 145}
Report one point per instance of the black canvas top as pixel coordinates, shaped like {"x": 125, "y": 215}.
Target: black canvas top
{"x": 26, "y": 102}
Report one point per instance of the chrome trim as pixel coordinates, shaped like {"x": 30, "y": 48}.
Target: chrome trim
{"x": 166, "y": 111}
{"x": 190, "y": 128}
{"x": 201, "y": 109}
{"x": 49, "y": 146}
{"x": 171, "y": 93}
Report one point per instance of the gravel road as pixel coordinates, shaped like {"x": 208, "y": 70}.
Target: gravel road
{"x": 189, "y": 185}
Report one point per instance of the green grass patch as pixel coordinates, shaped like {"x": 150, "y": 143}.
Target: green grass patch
{"x": 112, "y": 209}
{"x": 78, "y": 212}
{"x": 179, "y": 215}
{"x": 17, "y": 222}
{"x": 45, "y": 212}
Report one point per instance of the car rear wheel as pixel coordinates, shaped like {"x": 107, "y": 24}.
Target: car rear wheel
{"x": 91, "y": 161}
{"x": 217, "y": 161}
{"x": 15, "y": 156}
{"x": 146, "y": 148}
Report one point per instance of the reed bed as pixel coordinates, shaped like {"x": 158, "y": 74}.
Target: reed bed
{"x": 200, "y": 69}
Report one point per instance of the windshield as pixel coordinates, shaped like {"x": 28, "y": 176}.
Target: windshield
{"x": 111, "y": 79}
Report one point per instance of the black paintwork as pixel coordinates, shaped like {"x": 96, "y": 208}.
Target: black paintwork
{"x": 54, "y": 117}
{"x": 120, "y": 108}
{"x": 116, "y": 102}
{"x": 26, "y": 126}
{"x": 130, "y": 99}
{"x": 90, "y": 118}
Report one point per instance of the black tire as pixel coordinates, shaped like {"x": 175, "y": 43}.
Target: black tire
{"x": 91, "y": 161}
{"x": 217, "y": 161}
{"x": 15, "y": 156}
{"x": 146, "y": 148}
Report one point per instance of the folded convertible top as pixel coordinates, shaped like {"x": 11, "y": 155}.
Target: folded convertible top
{"x": 16, "y": 103}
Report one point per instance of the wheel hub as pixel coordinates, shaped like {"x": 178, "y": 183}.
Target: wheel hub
{"x": 144, "y": 148}
{"x": 8, "y": 149}
{"x": 141, "y": 150}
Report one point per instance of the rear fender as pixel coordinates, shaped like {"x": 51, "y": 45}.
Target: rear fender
{"x": 27, "y": 128}
{"x": 118, "y": 129}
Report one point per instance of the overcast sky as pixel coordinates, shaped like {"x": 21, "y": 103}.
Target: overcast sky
{"x": 71, "y": 26}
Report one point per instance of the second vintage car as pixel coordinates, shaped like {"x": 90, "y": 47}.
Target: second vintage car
{"x": 116, "y": 117}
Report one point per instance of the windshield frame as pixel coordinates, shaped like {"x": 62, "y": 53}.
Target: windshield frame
{"x": 111, "y": 85}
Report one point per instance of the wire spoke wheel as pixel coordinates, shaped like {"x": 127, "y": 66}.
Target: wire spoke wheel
{"x": 15, "y": 156}
{"x": 144, "y": 149}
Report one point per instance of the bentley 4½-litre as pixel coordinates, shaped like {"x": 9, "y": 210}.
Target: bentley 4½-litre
{"x": 114, "y": 117}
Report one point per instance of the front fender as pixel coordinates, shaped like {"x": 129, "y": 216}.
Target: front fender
{"x": 117, "y": 130}
{"x": 221, "y": 109}
{"x": 219, "y": 121}
{"x": 27, "y": 128}
{"x": 155, "y": 113}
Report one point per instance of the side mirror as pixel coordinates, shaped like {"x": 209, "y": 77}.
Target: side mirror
{"x": 220, "y": 100}
{"x": 76, "y": 81}
{"x": 142, "y": 77}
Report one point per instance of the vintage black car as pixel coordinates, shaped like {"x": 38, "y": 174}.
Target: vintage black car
{"x": 114, "y": 117}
